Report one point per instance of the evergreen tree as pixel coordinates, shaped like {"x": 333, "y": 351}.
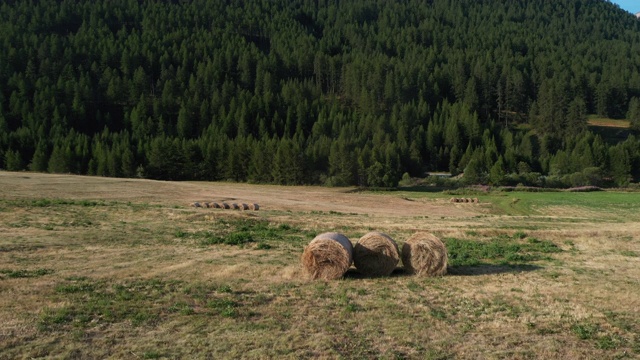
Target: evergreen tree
{"x": 633, "y": 115}
{"x": 13, "y": 160}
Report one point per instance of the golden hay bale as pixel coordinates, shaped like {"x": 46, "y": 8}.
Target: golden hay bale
{"x": 235, "y": 206}
{"x": 476, "y": 201}
{"x": 376, "y": 254}
{"x": 328, "y": 256}
{"x": 196, "y": 204}
{"x": 206, "y": 205}
{"x": 424, "y": 254}
{"x": 254, "y": 207}
{"x": 226, "y": 206}
{"x": 244, "y": 206}
{"x": 452, "y": 200}
{"x": 215, "y": 205}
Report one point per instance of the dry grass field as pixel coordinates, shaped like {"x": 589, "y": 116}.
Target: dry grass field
{"x": 118, "y": 268}
{"x": 606, "y": 122}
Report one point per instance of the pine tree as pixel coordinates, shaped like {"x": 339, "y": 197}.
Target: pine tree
{"x": 633, "y": 114}
{"x": 13, "y": 160}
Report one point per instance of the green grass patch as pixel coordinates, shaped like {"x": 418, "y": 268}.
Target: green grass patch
{"x": 585, "y": 331}
{"x": 91, "y": 303}
{"x": 240, "y": 232}
{"x": 502, "y": 250}
{"x": 225, "y": 307}
{"x": 629, "y": 253}
{"x": 23, "y": 273}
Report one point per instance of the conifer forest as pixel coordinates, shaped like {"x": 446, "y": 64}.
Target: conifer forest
{"x": 331, "y": 92}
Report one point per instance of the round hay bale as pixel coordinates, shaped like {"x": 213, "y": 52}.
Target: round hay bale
{"x": 425, "y": 254}
{"x": 457, "y": 200}
{"x": 207, "y": 205}
{"x": 376, "y": 254}
{"x": 328, "y": 256}
{"x": 226, "y": 206}
{"x": 196, "y": 204}
{"x": 452, "y": 200}
{"x": 476, "y": 201}
{"x": 235, "y": 206}
{"x": 244, "y": 206}
{"x": 215, "y": 205}
{"x": 254, "y": 207}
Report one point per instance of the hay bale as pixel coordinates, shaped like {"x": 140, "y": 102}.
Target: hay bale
{"x": 196, "y": 204}
{"x": 235, "y": 206}
{"x": 452, "y": 200}
{"x": 244, "y": 206}
{"x": 476, "y": 201}
{"x": 376, "y": 254}
{"x": 215, "y": 205}
{"x": 206, "y": 205}
{"x": 226, "y": 206}
{"x": 424, "y": 254}
{"x": 328, "y": 256}
{"x": 254, "y": 207}
{"x": 457, "y": 200}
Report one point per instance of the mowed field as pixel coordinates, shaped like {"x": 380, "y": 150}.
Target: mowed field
{"x": 118, "y": 268}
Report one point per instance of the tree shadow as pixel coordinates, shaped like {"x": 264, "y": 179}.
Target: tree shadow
{"x": 490, "y": 269}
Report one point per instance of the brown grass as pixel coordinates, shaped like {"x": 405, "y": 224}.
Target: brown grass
{"x": 612, "y": 123}
{"x": 328, "y": 256}
{"x": 166, "y": 292}
{"x": 376, "y": 254}
{"x": 424, "y": 254}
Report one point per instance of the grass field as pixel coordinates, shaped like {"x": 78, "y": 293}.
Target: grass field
{"x": 117, "y": 268}
{"x": 595, "y": 120}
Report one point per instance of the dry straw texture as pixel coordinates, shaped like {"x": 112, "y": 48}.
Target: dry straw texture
{"x": 235, "y": 206}
{"x": 376, "y": 254}
{"x": 215, "y": 205}
{"x": 244, "y": 207}
{"x": 328, "y": 256}
{"x": 254, "y": 207}
{"x": 425, "y": 254}
{"x": 226, "y": 206}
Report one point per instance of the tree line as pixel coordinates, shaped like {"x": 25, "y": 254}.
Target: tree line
{"x": 331, "y": 92}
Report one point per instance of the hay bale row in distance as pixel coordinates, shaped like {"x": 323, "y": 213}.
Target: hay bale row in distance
{"x": 464, "y": 200}
{"x": 328, "y": 256}
{"x": 425, "y": 254}
{"x": 214, "y": 205}
{"x": 376, "y": 254}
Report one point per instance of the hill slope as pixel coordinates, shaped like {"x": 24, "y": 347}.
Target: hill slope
{"x": 318, "y": 91}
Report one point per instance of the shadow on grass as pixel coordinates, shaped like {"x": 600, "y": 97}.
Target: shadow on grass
{"x": 353, "y": 273}
{"x": 490, "y": 269}
{"x": 459, "y": 270}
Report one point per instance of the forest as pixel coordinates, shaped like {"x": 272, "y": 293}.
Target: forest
{"x": 331, "y": 92}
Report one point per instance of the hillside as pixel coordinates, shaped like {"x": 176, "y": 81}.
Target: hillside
{"x": 320, "y": 92}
